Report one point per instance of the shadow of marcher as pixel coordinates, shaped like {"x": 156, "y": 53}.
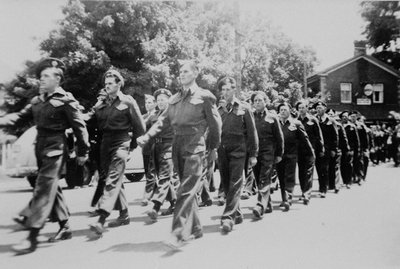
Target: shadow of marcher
{"x": 155, "y": 246}
{"x": 214, "y": 228}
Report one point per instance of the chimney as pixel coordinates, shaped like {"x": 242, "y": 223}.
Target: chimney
{"x": 359, "y": 47}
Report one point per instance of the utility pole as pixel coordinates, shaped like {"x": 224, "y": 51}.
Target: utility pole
{"x": 305, "y": 79}
{"x": 238, "y": 43}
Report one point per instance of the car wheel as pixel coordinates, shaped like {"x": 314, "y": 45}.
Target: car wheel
{"x": 132, "y": 177}
{"x": 32, "y": 180}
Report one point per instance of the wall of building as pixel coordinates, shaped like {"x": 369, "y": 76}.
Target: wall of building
{"x": 358, "y": 74}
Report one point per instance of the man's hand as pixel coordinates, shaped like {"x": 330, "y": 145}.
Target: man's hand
{"x": 321, "y": 154}
{"x": 252, "y": 161}
{"x": 142, "y": 140}
{"x": 81, "y": 160}
{"x": 350, "y": 153}
{"x": 333, "y": 153}
{"x": 278, "y": 159}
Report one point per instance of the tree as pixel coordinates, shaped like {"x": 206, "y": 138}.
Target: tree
{"x": 383, "y": 29}
{"x": 146, "y": 41}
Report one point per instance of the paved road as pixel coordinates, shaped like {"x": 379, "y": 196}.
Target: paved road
{"x": 357, "y": 228}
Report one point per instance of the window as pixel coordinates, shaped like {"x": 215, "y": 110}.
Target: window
{"x": 345, "y": 93}
{"x": 377, "y": 93}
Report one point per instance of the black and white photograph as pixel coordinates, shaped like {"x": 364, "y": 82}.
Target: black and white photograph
{"x": 200, "y": 134}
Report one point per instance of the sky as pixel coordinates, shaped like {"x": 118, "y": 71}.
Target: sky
{"x": 328, "y": 26}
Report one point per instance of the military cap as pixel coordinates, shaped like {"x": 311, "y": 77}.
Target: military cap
{"x": 353, "y": 112}
{"x": 283, "y": 104}
{"x": 319, "y": 103}
{"x": 330, "y": 110}
{"x": 114, "y": 73}
{"x": 55, "y": 63}
{"x": 162, "y": 91}
{"x": 299, "y": 103}
{"x": 262, "y": 94}
{"x": 342, "y": 113}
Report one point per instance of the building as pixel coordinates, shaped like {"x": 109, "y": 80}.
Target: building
{"x": 361, "y": 83}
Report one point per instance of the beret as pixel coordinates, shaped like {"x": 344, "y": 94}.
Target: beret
{"x": 331, "y": 110}
{"x": 162, "y": 91}
{"x": 342, "y": 113}
{"x": 283, "y": 104}
{"x": 299, "y": 103}
{"x": 116, "y": 74}
{"x": 319, "y": 103}
{"x": 50, "y": 63}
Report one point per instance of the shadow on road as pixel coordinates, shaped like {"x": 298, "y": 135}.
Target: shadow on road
{"x": 214, "y": 228}
{"x": 6, "y": 248}
{"x": 157, "y": 246}
{"x": 17, "y": 191}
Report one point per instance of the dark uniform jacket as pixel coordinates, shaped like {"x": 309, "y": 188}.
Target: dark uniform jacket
{"x": 295, "y": 134}
{"x": 149, "y": 119}
{"x": 167, "y": 134}
{"x": 329, "y": 133}
{"x": 121, "y": 116}
{"x": 352, "y": 137}
{"x": 343, "y": 141}
{"x": 190, "y": 113}
{"x": 56, "y": 113}
{"x": 238, "y": 125}
{"x": 314, "y": 133}
{"x": 270, "y": 135}
{"x": 363, "y": 136}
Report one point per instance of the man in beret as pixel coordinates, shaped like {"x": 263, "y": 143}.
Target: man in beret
{"x": 53, "y": 111}
{"x": 343, "y": 149}
{"x": 148, "y": 163}
{"x": 294, "y": 134}
{"x": 359, "y": 174}
{"x": 270, "y": 153}
{"x": 162, "y": 156}
{"x": 190, "y": 112}
{"x": 116, "y": 117}
{"x": 331, "y": 142}
{"x": 239, "y": 137}
{"x": 306, "y": 163}
{"x": 346, "y": 165}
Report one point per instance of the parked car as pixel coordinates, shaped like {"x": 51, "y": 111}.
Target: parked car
{"x": 21, "y": 162}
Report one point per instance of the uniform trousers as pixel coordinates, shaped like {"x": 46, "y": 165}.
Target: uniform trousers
{"x": 151, "y": 180}
{"x": 263, "y": 171}
{"x": 334, "y": 171}
{"x": 322, "y": 167}
{"x": 366, "y": 163}
{"x": 346, "y": 168}
{"x": 358, "y": 167}
{"x": 165, "y": 172}
{"x": 250, "y": 185}
{"x": 48, "y": 200}
{"x": 287, "y": 176}
{"x": 188, "y": 163}
{"x": 206, "y": 179}
{"x": 306, "y": 173}
{"x": 114, "y": 151}
{"x": 231, "y": 161}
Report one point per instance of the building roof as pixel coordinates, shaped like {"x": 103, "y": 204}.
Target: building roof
{"x": 368, "y": 58}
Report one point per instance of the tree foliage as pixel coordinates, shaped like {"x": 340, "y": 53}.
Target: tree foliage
{"x": 146, "y": 41}
{"x": 383, "y": 29}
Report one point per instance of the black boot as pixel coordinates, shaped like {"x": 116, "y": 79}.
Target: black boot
{"x": 63, "y": 233}
{"x": 29, "y": 245}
